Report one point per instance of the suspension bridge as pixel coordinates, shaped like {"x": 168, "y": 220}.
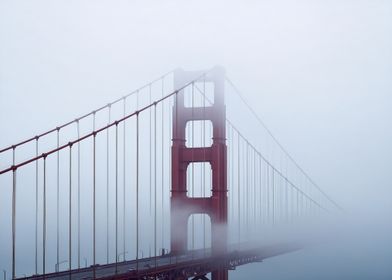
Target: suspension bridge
{"x": 170, "y": 181}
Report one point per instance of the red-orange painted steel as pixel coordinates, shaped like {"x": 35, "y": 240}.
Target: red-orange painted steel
{"x": 183, "y": 206}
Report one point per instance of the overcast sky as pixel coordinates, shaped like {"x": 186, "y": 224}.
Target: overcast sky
{"x": 317, "y": 72}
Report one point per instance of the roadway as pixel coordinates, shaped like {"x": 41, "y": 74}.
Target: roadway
{"x": 237, "y": 255}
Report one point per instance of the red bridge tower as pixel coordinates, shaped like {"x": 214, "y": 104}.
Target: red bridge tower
{"x": 183, "y": 206}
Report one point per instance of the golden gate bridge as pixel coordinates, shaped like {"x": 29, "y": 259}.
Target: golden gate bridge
{"x": 162, "y": 183}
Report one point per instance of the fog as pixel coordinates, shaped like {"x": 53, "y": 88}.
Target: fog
{"x": 318, "y": 73}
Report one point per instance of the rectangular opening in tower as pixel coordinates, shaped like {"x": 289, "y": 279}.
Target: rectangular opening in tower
{"x": 198, "y": 134}
{"x": 199, "y": 179}
{"x": 199, "y": 232}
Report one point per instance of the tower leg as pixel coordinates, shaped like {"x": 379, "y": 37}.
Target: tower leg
{"x": 221, "y": 274}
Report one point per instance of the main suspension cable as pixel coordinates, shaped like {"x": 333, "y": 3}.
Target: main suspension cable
{"x": 85, "y": 115}
{"x": 279, "y": 144}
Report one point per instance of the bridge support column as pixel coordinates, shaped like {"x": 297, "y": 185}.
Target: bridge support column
{"x": 183, "y": 206}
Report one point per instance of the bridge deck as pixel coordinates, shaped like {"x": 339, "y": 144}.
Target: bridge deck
{"x": 193, "y": 263}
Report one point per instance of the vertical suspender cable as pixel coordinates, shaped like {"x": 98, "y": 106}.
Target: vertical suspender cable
{"x": 44, "y": 222}
{"x": 232, "y": 174}
{"x": 297, "y": 203}
{"x": 155, "y": 184}
{"x": 116, "y": 200}
{"x": 247, "y": 188}
{"x": 231, "y": 155}
{"x": 300, "y": 203}
{"x": 264, "y": 191}
{"x": 286, "y": 201}
{"x": 276, "y": 178}
{"x": 278, "y": 194}
{"x": 291, "y": 204}
{"x": 150, "y": 153}
{"x": 137, "y": 178}
{"x": 58, "y": 201}
{"x": 283, "y": 199}
{"x": 124, "y": 168}
{"x": 107, "y": 188}
{"x": 267, "y": 192}
{"x": 176, "y": 101}
{"x": 311, "y": 207}
{"x": 137, "y": 190}
{"x": 254, "y": 188}
{"x": 239, "y": 191}
{"x": 169, "y": 163}
{"x": 287, "y": 194}
{"x": 250, "y": 205}
{"x": 251, "y": 188}
{"x": 273, "y": 196}
{"x": 163, "y": 158}
{"x": 229, "y": 182}
{"x": 78, "y": 130}
{"x": 204, "y": 157}
{"x": 193, "y": 165}
{"x": 261, "y": 179}
{"x": 307, "y": 206}
{"x": 94, "y": 182}
{"x": 284, "y": 212}
{"x": 305, "y": 189}
{"x": 303, "y": 201}
{"x": 150, "y": 164}
{"x": 36, "y": 207}
{"x": 300, "y": 195}
{"x": 13, "y": 213}
{"x": 70, "y": 211}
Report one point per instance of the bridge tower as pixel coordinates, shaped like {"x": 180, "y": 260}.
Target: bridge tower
{"x": 183, "y": 206}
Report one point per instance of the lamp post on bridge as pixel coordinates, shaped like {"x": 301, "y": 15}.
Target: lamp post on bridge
{"x": 119, "y": 255}
{"x": 57, "y": 265}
